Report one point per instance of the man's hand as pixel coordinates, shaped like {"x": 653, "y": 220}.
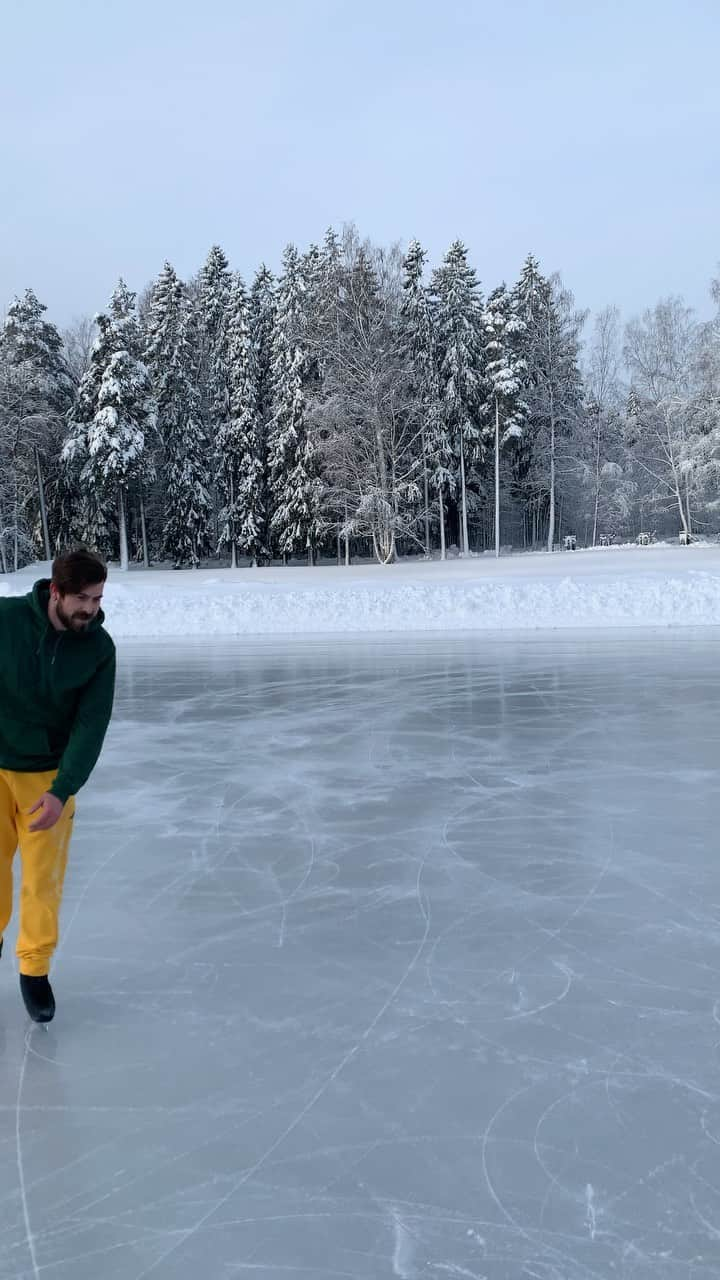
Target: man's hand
{"x": 50, "y": 809}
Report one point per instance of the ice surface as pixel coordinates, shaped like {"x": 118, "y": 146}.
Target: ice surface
{"x": 390, "y": 958}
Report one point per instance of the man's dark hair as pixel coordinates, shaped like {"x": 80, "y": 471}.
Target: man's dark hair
{"x": 75, "y": 570}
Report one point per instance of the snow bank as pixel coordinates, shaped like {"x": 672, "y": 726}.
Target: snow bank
{"x": 646, "y": 587}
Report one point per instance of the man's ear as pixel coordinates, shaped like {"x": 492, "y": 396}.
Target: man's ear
{"x": 54, "y": 591}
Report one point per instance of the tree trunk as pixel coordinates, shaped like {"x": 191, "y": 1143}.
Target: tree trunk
{"x": 3, "y": 558}
{"x": 465, "y": 540}
{"x": 143, "y": 533}
{"x": 681, "y": 508}
{"x": 386, "y": 533}
{"x": 497, "y": 478}
{"x": 233, "y": 547}
{"x": 551, "y": 519}
{"x": 43, "y": 510}
{"x": 687, "y": 503}
{"x": 122, "y": 531}
{"x": 16, "y": 554}
{"x": 427, "y": 499}
{"x": 597, "y": 487}
{"x": 443, "y": 549}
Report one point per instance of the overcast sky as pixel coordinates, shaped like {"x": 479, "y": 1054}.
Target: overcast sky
{"x": 586, "y": 131}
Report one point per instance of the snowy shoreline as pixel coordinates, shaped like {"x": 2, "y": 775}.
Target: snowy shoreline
{"x": 661, "y": 586}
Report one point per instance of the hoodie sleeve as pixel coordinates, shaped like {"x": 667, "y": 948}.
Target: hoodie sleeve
{"x": 92, "y": 716}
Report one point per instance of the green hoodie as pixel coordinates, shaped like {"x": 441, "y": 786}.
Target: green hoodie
{"x": 56, "y": 692}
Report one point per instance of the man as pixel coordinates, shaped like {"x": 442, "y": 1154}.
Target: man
{"x": 57, "y": 679}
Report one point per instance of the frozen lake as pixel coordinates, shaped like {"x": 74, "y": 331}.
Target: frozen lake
{"x": 383, "y": 958}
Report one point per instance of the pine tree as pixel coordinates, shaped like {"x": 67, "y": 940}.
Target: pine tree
{"x": 419, "y": 344}
{"x": 457, "y": 314}
{"x": 504, "y": 372}
{"x": 188, "y": 508}
{"x": 213, "y": 314}
{"x": 239, "y": 448}
{"x": 262, "y": 326}
{"x": 262, "y": 314}
{"x": 330, "y": 288}
{"x": 94, "y": 519}
{"x": 550, "y": 348}
{"x": 324, "y": 330}
{"x": 214, "y": 294}
{"x": 295, "y": 487}
{"x": 366, "y": 418}
{"x": 170, "y": 359}
{"x": 526, "y": 294}
{"x": 116, "y": 414}
{"x": 35, "y": 392}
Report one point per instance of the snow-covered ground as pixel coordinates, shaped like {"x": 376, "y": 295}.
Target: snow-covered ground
{"x": 631, "y": 586}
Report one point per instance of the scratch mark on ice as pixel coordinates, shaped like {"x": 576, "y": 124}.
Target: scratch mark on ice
{"x": 30, "y": 1238}
{"x": 590, "y": 1215}
{"x": 404, "y": 1251}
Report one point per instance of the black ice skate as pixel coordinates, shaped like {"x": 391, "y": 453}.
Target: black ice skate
{"x": 38, "y": 996}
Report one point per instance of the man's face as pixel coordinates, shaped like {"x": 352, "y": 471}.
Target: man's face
{"x": 76, "y": 611}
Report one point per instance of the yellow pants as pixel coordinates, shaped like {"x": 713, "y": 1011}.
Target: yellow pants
{"x": 43, "y": 855}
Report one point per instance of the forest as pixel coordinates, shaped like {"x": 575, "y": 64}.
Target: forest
{"x": 361, "y": 403}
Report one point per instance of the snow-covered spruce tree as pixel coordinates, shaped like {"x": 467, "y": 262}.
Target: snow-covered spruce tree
{"x": 262, "y": 308}
{"x": 124, "y": 418}
{"x": 526, "y": 475}
{"x": 457, "y": 316}
{"x": 312, "y": 309}
{"x": 323, "y": 273}
{"x": 330, "y": 290}
{"x": 213, "y": 315}
{"x": 504, "y": 373}
{"x": 238, "y": 443}
{"x": 214, "y": 294}
{"x": 123, "y": 412}
{"x": 188, "y": 510}
{"x": 554, "y": 391}
{"x": 296, "y": 493}
{"x": 607, "y": 487}
{"x": 365, "y": 417}
{"x": 36, "y": 390}
{"x": 169, "y": 356}
{"x": 92, "y": 518}
{"x": 418, "y": 341}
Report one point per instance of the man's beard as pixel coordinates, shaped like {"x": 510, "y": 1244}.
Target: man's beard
{"x": 72, "y": 621}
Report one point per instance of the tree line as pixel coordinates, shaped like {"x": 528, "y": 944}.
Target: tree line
{"x": 358, "y": 404}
